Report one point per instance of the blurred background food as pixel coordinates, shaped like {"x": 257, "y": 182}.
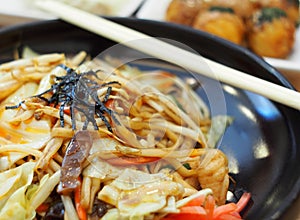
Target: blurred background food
{"x": 270, "y": 32}
{"x": 103, "y": 7}
{"x": 266, "y": 27}
{"x": 239, "y": 21}
{"x": 22, "y": 11}
{"x": 222, "y": 22}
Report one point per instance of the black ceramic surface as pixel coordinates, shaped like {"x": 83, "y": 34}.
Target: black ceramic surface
{"x": 263, "y": 143}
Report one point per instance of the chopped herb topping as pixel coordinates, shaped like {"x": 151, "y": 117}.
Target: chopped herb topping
{"x": 221, "y": 9}
{"x": 268, "y": 14}
{"x": 187, "y": 166}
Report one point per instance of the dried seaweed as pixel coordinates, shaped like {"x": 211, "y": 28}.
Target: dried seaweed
{"x": 79, "y": 93}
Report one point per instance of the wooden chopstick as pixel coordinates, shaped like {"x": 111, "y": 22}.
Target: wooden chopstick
{"x": 160, "y": 49}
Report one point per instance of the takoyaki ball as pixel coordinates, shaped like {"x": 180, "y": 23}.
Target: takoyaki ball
{"x": 291, "y": 7}
{"x": 271, "y": 33}
{"x": 222, "y": 22}
{"x": 292, "y": 10}
{"x": 182, "y": 11}
{"x": 269, "y": 3}
{"x": 242, "y": 8}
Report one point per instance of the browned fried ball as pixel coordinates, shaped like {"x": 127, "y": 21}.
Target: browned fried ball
{"x": 291, "y": 7}
{"x": 226, "y": 25}
{"x": 270, "y": 34}
{"x": 242, "y": 8}
{"x": 182, "y": 11}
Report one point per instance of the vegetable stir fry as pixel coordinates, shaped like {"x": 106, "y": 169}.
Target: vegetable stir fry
{"x": 96, "y": 144}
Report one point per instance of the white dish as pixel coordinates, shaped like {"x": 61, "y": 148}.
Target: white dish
{"x": 16, "y": 11}
{"x": 156, "y": 10}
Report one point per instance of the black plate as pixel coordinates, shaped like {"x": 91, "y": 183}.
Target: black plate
{"x": 262, "y": 143}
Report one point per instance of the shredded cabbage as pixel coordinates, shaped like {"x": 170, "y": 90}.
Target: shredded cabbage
{"x": 13, "y": 199}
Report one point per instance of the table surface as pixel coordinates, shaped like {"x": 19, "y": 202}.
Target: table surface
{"x": 293, "y": 212}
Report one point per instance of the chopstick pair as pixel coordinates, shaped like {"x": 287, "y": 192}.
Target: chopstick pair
{"x": 167, "y": 52}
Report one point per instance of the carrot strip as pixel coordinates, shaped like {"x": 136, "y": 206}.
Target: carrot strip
{"x": 196, "y": 201}
{"x": 109, "y": 103}
{"x": 79, "y": 208}
{"x": 188, "y": 212}
{"x": 125, "y": 161}
{"x": 210, "y": 206}
{"x": 198, "y": 210}
{"x": 241, "y": 204}
{"x": 42, "y": 207}
{"x": 66, "y": 108}
{"x": 236, "y": 214}
{"x": 225, "y": 209}
{"x": 228, "y": 217}
{"x": 204, "y": 208}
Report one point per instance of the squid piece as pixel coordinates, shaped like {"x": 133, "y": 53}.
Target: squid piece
{"x": 271, "y": 33}
{"x": 77, "y": 151}
{"x": 213, "y": 174}
{"x": 222, "y": 22}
